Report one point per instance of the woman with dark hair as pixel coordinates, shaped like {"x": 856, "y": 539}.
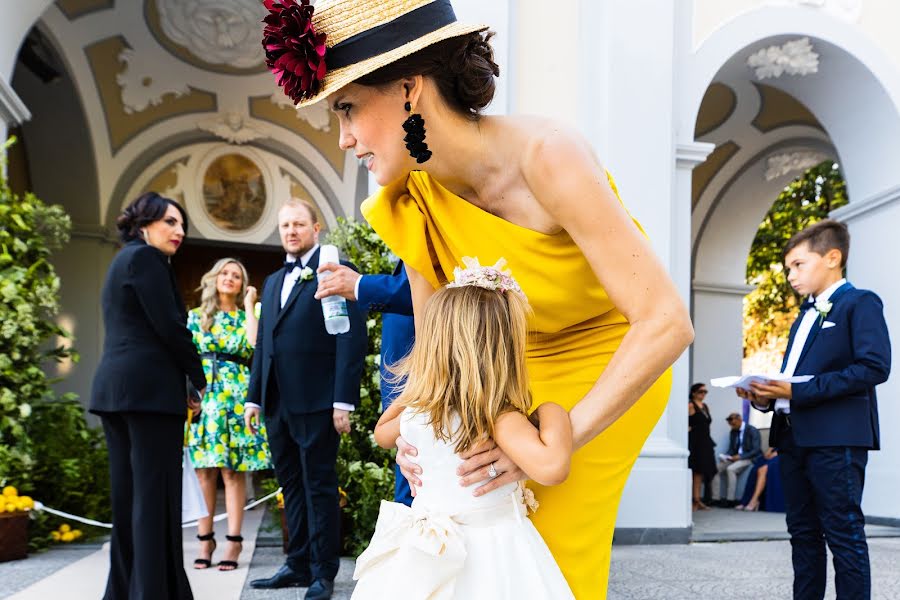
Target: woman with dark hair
{"x": 140, "y": 393}
{"x": 408, "y": 84}
{"x": 702, "y": 460}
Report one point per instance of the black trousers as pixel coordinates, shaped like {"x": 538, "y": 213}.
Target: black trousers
{"x": 304, "y": 452}
{"x": 146, "y": 559}
{"x": 822, "y": 493}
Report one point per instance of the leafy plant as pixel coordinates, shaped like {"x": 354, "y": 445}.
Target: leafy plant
{"x": 365, "y": 471}
{"x": 70, "y": 468}
{"x": 29, "y": 231}
{"x": 46, "y": 447}
{"x": 770, "y": 309}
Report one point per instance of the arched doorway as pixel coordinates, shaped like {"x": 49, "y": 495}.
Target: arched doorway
{"x": 775, "y": 104}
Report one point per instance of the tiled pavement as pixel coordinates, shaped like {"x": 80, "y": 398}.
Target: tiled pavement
{"x": 744, "y": 570}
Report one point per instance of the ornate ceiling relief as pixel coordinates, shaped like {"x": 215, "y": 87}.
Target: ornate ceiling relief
{"x": 220, "y": 32}
{"x": 778, "y": 165}
{"x": 848, "y": 10}
{"x": 791, "y": 58}
{"x": 141, "y": 87}
{"x": 309, "y": 123}
{"x": 77, "y": 8}
{"x": 133, "y": 101}
{"x": 318, "y": 115}
{"x": 234, "y": 128}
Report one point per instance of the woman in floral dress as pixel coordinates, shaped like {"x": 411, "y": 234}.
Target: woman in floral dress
{"x": 219, "y": 441}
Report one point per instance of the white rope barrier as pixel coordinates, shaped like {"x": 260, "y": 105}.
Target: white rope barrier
{"x": 40, "y": 506}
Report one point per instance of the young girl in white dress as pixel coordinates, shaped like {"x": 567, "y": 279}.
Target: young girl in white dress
{"x": 466, "y": 382}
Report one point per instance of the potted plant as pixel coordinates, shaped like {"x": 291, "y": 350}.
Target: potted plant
{"x": 14, "y": 524}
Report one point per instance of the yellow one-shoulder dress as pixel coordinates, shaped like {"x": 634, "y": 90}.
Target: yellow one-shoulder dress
{"x": 574, "y": 331}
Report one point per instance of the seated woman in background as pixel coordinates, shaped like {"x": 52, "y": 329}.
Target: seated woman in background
{"x": 756, "y": 483}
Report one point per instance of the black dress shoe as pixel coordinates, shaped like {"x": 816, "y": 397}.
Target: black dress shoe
{"x": 321, "y": 589}
{"x": 283, "y": 578}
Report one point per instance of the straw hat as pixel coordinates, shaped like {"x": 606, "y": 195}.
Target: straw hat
{"x": 315, "y": 51}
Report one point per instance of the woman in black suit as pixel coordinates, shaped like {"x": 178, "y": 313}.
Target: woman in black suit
{"x": 139, "y": 392}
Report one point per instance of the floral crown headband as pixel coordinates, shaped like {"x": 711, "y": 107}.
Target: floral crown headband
{"x": 489, "y": 278}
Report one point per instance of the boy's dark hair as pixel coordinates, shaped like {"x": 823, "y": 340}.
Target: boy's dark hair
{"x": 823, "y": 236}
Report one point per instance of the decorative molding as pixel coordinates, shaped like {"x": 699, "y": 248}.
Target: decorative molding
{"x": 784, "y": 163}
{"x": 101, "y": 233}
{"x": 725, "y": 289}
{"x": 867, "y": 206}
{"x": 221, "y": 32}
{"x": 848, "y": 10}
{"x": 317, "y": 115}
{"x": 791, "y": 58}
{"x": 233, "y": 128}
{"x": 12, "y": 109}
{"x": 688, "y": 156}
{"x": 141, "y": 88}
{"x": 663, "y": 448}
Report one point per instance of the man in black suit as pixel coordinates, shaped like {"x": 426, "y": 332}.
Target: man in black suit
{"x": 824, "y": 428}
{"x": 306, "y": 382}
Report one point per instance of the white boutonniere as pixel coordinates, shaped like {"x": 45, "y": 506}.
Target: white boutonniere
{"x": 306, "y": 274}
{"x": 823, "y": 307}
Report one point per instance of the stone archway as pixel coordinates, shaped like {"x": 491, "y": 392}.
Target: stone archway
{"x": 850, "y": 90}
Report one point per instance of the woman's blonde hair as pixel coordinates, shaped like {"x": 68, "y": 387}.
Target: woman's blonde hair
{"x": 209, "y": 295}
{"x": 468, "y": 362}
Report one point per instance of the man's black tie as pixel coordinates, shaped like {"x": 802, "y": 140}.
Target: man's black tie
{"x": 290, "y": 265}
{"x": 810, "y": 303}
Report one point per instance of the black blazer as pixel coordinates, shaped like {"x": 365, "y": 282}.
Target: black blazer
{"x": 838, "y": 407}
{"x": 147, "y": 351}
{"x": 314, "y": 369}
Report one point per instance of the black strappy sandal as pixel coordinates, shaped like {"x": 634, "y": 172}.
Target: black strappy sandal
{"x": 231, "y": 565}
{"x": 205, "y": 563}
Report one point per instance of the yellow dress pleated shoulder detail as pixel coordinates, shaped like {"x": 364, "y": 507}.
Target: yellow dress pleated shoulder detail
{"x": 574, "y": 331}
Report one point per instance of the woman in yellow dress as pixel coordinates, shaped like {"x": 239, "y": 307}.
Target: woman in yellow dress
{"x": 408, "y": 83}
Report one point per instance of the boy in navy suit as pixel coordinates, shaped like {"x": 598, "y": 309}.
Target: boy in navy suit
{"x": 824, "y": 428}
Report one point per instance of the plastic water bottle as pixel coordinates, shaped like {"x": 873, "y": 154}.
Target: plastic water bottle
{"x": 334, "y": 308}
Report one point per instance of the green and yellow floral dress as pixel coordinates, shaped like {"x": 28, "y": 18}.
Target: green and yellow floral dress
{"x": 220, "y": 438}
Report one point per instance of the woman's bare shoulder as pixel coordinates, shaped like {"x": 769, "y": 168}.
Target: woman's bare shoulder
{"x": 533, "y": 133}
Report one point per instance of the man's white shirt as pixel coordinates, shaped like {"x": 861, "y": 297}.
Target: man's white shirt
{"x": 806, "y": 325}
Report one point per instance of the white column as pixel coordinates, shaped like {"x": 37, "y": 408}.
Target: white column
{"x": 718, "y": 347}
{"x": 12, "y": 110}
{"x": 874, "y": 244}
{"x": 16, "y": 18}
{"x": 633, "y": 56}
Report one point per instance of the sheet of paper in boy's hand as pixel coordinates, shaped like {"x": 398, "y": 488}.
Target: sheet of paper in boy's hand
{"x": 744, "y": 381}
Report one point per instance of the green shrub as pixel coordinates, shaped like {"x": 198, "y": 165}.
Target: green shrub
{"x": 46, "y": 449}
{"x": 365, "y": 471}
{"x": 70, "y": 468}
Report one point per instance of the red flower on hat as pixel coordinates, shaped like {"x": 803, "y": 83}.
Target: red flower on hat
{"x": 295, "y": 53}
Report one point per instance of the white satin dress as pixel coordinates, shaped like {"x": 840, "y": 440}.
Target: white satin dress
{"x": 451, "y": 545}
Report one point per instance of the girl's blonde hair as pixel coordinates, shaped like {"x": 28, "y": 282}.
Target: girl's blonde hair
{"x": 468, "y": 362}
{"x": 209, "y": 295}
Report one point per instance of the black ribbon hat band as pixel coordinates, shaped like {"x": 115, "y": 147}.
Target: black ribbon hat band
{"x": 391, "y": 35}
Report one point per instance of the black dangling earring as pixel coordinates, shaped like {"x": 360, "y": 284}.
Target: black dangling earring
{"x": 414, "y": 126}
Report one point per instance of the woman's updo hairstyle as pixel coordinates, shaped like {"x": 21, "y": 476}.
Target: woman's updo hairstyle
{"x": 462, "y": 67}
{"x": 145, "y": 209}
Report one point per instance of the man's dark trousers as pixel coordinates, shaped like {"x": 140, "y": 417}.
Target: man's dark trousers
{"x": 823, "y": 492}
{"x": 304, "y": 452}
